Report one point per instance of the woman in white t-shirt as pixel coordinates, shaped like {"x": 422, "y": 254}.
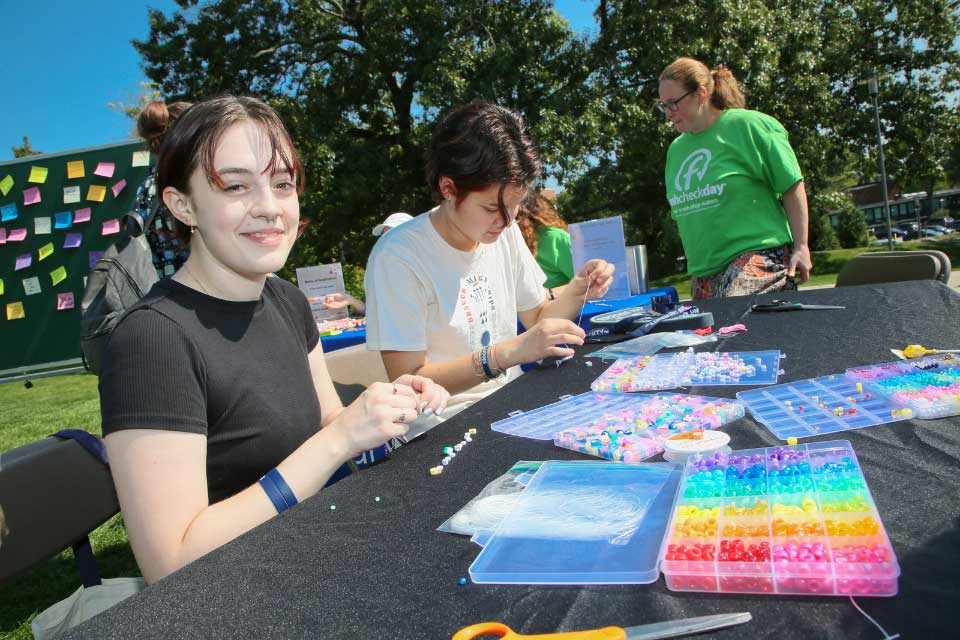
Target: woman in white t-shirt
{"x": 444, "y": 290}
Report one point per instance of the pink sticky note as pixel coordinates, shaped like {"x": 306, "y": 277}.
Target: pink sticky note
{"x": 65, "y": 301}
{"x": 104, "y": 169}
{"x": 81, "y": 215}
{"x": 16, "y": 235}
{"x": 31, "y": 196}
{"x": 3, "y": 236}
{"x": 23, "y": 262}
{"x": 118, "y": 187}
{"x": 110, "y": 227}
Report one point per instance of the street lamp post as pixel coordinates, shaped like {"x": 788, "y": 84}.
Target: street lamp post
{"x": 874, "y": 90}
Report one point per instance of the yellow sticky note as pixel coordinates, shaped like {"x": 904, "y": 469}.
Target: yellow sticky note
{"x": 15, "y": 311}
{"x": 6, "y": 184}
{"x": 45, "y": 250}
{"x": 96, "y": 192}
{"x": 1, "y": 286}
{"x": 38, "y": 175}
{"x": 75, "y": 169}
{"x": 58, "y": 275}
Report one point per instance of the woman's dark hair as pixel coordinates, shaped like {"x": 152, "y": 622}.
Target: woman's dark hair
{"x": 155, "y": 119}
{"x": 537, "y": 211}
{"x": 193, "y": 143}
{"x": 479, "y": 144}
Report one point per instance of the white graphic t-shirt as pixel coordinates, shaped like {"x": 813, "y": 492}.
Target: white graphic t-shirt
{"x": 424, "y": 295}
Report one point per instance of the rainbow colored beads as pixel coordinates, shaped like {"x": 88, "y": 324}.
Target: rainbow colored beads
{"x": 928, "y": 387}
{"x": 638, "y": 432}
{"x": 784, "y": 520}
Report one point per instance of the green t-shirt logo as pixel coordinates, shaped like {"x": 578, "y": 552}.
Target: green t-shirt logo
{"x": 696, "y": 164}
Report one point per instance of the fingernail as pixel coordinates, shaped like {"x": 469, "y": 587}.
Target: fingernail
{"x": 423, "y": 405}
{"x": 440, "y": 410}
{"x": 428, "y": 411}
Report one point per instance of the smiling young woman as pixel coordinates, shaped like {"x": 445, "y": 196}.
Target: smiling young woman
{"x": 734, "y": 186}
{"x": 444, "y": 290}
{"x": 217, "y": 408}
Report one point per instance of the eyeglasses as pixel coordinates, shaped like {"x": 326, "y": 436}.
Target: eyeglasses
{"x": 672, "y": 105}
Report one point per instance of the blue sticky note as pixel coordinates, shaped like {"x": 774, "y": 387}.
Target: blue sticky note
{"x": 8, "y": 212}
{"x": 63, "y": 220}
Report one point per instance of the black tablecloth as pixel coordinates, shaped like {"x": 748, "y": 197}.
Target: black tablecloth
{"x": 371, "y": 569}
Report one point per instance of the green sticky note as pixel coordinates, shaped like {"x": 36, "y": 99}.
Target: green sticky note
{"x": 38, "y": 175}
{"x": 6, "y": 184}
{"x": 58, "y": 275}
{"x": 1, "y": 286}
{"x": 45, "y": 251}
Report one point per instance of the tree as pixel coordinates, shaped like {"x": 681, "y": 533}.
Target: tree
{"x": 851, "y": 223}
{"x": 25, "y": 149}
{"x": 360, "y": 84}
{"x": 801, "y": 61}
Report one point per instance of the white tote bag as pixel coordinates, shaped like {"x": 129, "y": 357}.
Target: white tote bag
{"x": 83, "y": 604}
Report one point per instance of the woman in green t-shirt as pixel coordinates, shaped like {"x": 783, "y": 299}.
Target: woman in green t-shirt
{"x": 734, "y": 186}
{"x": 545, "y": 233}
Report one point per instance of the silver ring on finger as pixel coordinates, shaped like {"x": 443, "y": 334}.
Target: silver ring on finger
{"x": 403, "y": 415}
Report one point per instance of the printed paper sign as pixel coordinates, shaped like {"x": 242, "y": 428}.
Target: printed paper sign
{"x": 320, "y": 281}
{"x": 15, "y": 311}
{"x": 81, "y": 215}
{"x": 31, "y": 286}
{"x": 71, "y": 194}
{"x": 603, "y": 239}
{"x": 140, "y": 159}
{"x": 65, "y": 301}
{"x": 75, "y": 169}
{"x": 31, "y": 196}
{"x": 41, "y": 225}
{"x": 104, "y": 169}
{"x": 38, "y": 175}
{"x": 96, "y": 193}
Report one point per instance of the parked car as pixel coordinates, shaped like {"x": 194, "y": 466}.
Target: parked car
{"x": 946, "y": 221}
{"x": 939, "y": 227}
{"x": 898, "y": 233}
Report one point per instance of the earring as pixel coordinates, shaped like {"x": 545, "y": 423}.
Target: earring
{"x": 193, "y": 230}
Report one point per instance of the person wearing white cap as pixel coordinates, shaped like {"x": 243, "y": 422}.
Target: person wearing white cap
{"x": 393, "y": 220}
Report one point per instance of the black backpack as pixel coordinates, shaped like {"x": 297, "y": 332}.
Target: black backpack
{"x": 122, "y": 275}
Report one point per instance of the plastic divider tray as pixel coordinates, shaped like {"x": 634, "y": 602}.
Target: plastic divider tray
{"x": 787, "y": 520}
{"x": 817, "y": 406}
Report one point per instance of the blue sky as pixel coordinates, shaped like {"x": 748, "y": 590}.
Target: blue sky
{"x": 63, "y": 61}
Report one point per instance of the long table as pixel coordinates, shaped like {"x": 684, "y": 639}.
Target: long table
{"x": 377, "y": 569}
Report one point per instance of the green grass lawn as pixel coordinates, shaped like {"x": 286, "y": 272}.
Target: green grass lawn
{"x": 71, "y": 402}
{"x": 65, "y": 402}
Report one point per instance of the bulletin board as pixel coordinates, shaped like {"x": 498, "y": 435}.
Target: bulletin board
{"x": 58, "y": 213}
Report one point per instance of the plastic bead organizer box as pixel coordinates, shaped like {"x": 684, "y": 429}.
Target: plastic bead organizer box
{"x": 787, "y": 520}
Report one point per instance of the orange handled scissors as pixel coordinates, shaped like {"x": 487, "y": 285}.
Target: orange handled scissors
{"x": 669, "y": 629}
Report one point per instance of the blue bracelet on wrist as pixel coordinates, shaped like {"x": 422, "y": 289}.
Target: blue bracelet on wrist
{"x": 485, "y": 363}
{"x": 278, "y": 490}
